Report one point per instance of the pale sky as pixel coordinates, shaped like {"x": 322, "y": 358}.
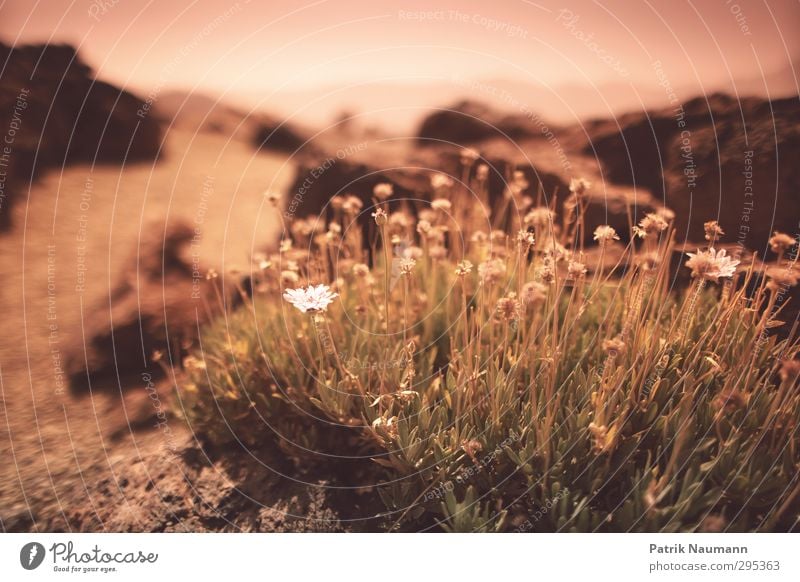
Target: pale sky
{"x": 243, "y": 48}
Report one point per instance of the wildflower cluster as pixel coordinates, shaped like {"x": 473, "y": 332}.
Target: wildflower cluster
{"x": 586, "y": 388}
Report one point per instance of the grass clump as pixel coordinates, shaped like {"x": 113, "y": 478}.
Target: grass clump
{"x": 499, "y": 374}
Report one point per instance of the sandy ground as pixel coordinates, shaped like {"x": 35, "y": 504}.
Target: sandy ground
{"x": 65, "y": 458}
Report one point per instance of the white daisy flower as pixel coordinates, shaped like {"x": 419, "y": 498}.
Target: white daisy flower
{"x": 711, "y": 264}
{"x": 312, "y": 298}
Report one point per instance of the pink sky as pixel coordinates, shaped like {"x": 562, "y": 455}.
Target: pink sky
{"x": 247, "y": 48}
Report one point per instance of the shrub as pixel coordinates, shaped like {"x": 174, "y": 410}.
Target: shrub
{"x": 502, "y": 375}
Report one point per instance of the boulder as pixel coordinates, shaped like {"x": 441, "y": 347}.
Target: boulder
{"x": 281, "y": 137}
{"x": 58, "y": 113}
{"x": 711, "y": 158}
{"x": 410, "y": 171}
{"x": 468, "y": 122}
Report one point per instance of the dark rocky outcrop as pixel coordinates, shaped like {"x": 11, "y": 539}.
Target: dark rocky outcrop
{"x": 410, "y": 172}
{"x": 55, "y": 112}
{"x": 696, "y": 159}
{"x": 469, "y": 122}
{"x": 279, "y": 137}
{"x": 318, "y": 181}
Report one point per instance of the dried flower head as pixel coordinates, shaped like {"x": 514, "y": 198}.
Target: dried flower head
{"x": 437, "y": 233}
{"x": 482, "y": 172}
{"x": 576, "y": 270}
{"x": 439, "y": 181}
{"x": 491, "y": 271}
{"x": 599, "y": 433}
{"x": 352, "y": 204}
{"x": 525, "y": 240}
{"x": 441, "y": 204}
{"x": 211, "y": 274}
{"x": 533, "y": 293}
{"x": 652, "y": 224}
{"x": 539, "y": 217}
{"x": 547, "y": 271}
{"x": 383, "y": 190}
{"x": 289, "y": 277}
{"x": 711, "y": 264}
{"x": 406, "y": 266}
{"x": 413, "y": 252}
{"x": 666, "y": 213}
{"x": 334, "y": 233}
{"x": 360, "y": 270}
{"x": 479, "y": 237}
{"x": 310, "y": 299}
{"x": 386, "y": 427}
{"x": 605, "y": 234}
{"x": 437, "y": 252}
{"x": 579, "y": 186}
{"x": 345, "y": 265}
{"x": 519, "y": 183}
{"x": 782, "y": 277}
{"x": 469, "y": 156}
{"x": 498, "y": 237}
{"x": 464, "y": 268}
{"x": 301, "y": 228}
{"x": 471, "y": 447}
{"x": 780, "y": 242}
{"x": 648, "y": 261}
{"x": 400, "y": 220}
{"x": 613, "y": 346}
{"x": 423, "y": 227}
{"x": 380, "y": 216}
{"x": 508, "y": 308}
{"x": 713, "y": 230}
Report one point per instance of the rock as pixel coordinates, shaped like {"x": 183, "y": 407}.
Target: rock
{"x": 318, "y": 181}
{"x": 197, "y": 489}
{"x": 696, "y": 160}
{"x": 468, "y": 122}
{"x": 58, "y": 114}
{"x": 409, "y": 171}
{"x": 199, "y": 112}
{"x": 282, "y": 137}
